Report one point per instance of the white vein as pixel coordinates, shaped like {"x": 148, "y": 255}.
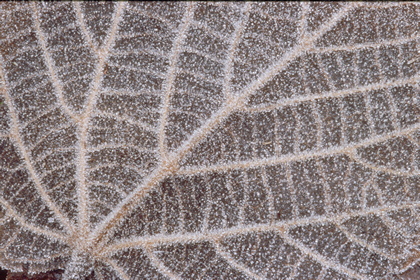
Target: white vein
{"x": 399, "y": 172}
{"x": 323, "y": 260}
{"x": 349, "y": 149}
{"x": 231, "y": 261}
{"x": 161, "y": 267}
{"x": 50, "y": 64}
{"x": 22, "y": 222}
{"x": 84, "y": 121}
{"x": 279, "y": 226}
{"x": 332, "y": 94}
{"x": 236, "y": 38}
{"x": 117, "y": 268}
{"x": 28, "y": 162}
{"x": 352, "y": 237}
{"x": 82, "y": 25}
{"x": 367, "y": 45}
{"x": 171, "y": 75}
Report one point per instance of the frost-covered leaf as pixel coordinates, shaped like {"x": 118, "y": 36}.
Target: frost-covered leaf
{"x": 189, "y": 140}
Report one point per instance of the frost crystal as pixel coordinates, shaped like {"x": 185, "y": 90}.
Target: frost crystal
{"x": 189, "y": 140}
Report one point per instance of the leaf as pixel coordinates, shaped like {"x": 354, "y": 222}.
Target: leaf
{"x": 210, "y": 140}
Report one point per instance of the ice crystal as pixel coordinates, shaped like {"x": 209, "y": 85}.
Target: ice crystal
{"x": 190, "y": 140}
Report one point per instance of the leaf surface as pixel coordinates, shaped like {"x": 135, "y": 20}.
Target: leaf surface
{"x": 210, "y": 140}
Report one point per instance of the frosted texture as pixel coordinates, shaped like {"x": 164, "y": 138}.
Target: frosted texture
{"x": 210, "y": 140}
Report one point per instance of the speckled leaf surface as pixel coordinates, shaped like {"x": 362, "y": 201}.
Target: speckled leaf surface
{"x": 194, "y": 140}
